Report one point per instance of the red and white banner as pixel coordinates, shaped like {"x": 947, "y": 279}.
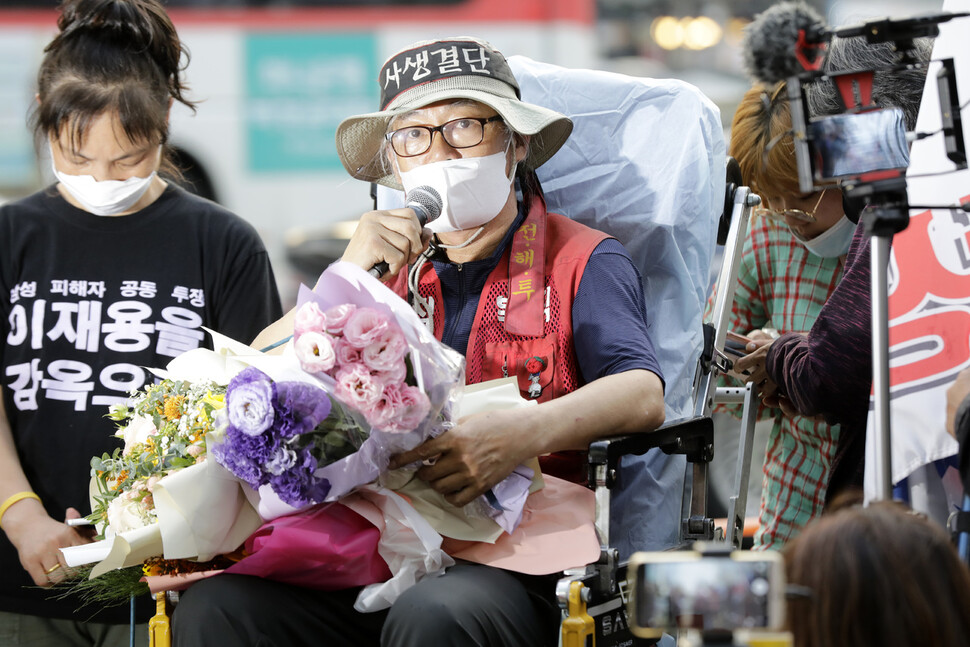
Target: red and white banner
{"x": 929, "y": 281}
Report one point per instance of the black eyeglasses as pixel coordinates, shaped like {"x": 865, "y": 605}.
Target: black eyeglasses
{"x": 458, "y": 133}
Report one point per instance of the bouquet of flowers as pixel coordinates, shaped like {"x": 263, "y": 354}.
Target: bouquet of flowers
{"x": 233, "y": 438}
{"x": 163, "y": 428}
{"x": 391, "y": 384}
{"x": 279, "y": 433}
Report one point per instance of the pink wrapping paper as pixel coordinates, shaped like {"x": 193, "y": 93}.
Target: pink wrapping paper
{"x": 327, "y": 547}
{"x": 557, "y": 532}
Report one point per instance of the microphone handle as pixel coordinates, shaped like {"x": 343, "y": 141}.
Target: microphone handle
{"x": 380, "y": 268}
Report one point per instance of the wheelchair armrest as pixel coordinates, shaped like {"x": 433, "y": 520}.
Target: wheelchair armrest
{"x": 693, "y": 437}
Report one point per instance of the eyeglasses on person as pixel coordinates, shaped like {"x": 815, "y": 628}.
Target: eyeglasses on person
{"x": 458, "y": 133}
{"x": 794, "y": 214}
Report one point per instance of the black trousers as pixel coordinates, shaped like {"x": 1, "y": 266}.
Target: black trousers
{"x": 469, "y": 605}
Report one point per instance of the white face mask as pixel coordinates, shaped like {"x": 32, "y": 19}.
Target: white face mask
{"x": 833, "y": 242}
{"x": 473, "y": 190}
{"x": 105, "y": 197}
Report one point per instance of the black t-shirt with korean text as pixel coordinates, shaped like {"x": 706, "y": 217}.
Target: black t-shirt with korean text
{"x": 88, "y": 303}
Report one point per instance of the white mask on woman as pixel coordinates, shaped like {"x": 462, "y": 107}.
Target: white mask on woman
{"x": 104, "y": 197}
{"x": 833, "y": 242}
{"x": 473, "y": 190}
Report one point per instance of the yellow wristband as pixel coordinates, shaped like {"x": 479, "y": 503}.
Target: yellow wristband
{"x": 13, "y": 498}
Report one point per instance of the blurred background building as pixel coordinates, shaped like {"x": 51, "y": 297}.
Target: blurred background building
{"x": 275, "y": 77}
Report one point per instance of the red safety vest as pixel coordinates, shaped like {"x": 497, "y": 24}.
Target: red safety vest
{"x": 523, "y": 329}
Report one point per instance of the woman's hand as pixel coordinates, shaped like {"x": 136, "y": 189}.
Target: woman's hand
{"x": 38, "y": 540}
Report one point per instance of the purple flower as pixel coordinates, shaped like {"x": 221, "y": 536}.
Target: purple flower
{"x": 296, "y": 485}
{"x": 249, "y": 401}
{"x": 243, "y": 455}
{"x": 284, "y": 459}
{"x": 300, "y": 408}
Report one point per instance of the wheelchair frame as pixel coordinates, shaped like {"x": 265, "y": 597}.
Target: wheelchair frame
{"x": 593, "y": 599}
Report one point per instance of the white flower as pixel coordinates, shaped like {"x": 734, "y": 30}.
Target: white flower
{"x": 315, "y": 352}
{"x": 137, "y": 432}
{"x": 125, "y": 514}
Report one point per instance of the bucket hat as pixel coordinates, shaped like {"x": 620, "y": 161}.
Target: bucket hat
{"x": 431, "y": 71}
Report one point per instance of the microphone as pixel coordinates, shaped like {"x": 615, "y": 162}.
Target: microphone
{"x": 426, "y": 203}
{"x": 783, "y": 41}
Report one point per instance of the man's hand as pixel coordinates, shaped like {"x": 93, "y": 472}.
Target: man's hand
{"x": 394, "y": 236}
{"x": 467, "y": 460}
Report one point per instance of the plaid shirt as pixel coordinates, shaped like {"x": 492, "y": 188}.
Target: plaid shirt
{"x": 782, "y": 285}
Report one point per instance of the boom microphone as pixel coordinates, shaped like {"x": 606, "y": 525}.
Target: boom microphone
{"x": 784, "y": 40}
{"x": 426, "y": 203}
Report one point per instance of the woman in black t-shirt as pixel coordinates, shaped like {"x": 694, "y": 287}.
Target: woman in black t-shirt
{"x": 110, "y": 270}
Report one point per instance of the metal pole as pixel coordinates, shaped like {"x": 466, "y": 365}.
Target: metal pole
{"x": 880, "y": 365}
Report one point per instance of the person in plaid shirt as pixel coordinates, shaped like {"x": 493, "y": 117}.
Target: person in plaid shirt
{"x": 791, "y": 261}
{"x": 828, "y": 372}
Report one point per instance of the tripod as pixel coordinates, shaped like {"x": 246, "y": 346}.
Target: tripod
{"x": 888, "y": 214}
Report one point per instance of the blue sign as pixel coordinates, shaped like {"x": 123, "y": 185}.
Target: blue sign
{"x": 299, "y": 87}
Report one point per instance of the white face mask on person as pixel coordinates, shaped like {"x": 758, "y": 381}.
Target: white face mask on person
{"x": 104, "y": 197}
{"x": 833, "y": 242}
{"x": 473, "y": 190}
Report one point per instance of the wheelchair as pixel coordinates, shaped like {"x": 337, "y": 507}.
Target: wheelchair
{"x": 646, "y": 162}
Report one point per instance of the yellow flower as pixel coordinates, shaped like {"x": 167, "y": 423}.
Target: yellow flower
{"x": 216, "y": 401}
{"x": 173, "y": 407}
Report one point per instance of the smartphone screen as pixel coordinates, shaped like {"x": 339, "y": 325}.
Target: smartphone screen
{"x": 851, "y": 144}
{"x": 710, "y": 593}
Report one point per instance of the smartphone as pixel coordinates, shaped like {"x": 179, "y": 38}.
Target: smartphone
{"x": 714, "y": 593}
{"x": 736, "y": 344}
{"x": 852, "y": 144}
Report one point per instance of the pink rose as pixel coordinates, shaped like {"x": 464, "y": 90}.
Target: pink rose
{"x": 394, "y": 375}
{"x": 338, "y": 316}
{"x": 308, "y": 318}
{"x": 402, "y": 409}
{"x": 381, "y": 415}
{"x": 315, "y": 352}
{"x": 356, "y": 387}
{"x": 346, "y": 353}
{"x": 387, "y": 352}
{"x": 365, "y": 326}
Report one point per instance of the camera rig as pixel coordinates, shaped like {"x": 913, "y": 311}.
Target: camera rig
{"x": 864, "y": 150}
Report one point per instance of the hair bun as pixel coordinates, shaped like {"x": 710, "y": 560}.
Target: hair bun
{"x": 120, "y": 21}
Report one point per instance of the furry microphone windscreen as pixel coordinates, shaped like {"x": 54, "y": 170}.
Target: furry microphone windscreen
{"x": 771, "y": 39}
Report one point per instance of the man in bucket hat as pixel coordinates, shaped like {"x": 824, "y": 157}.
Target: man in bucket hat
{"x": 521, "y": 292}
